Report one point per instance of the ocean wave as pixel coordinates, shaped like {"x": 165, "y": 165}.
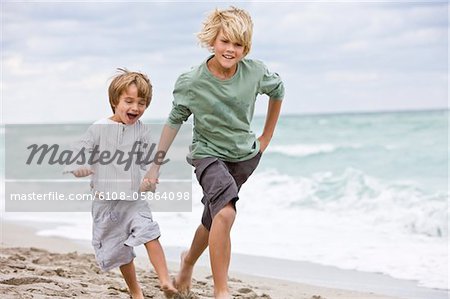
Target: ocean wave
{"x": 399, "y": 204}
{"x": 349, "y": 220}
{"x": 303, "y": 150}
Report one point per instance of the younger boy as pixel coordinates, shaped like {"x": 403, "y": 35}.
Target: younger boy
{"x": 221, "y": 95}
{"x": 119, "y": 222}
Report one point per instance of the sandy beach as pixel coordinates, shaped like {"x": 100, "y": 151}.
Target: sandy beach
{"x": 41, "y": 267}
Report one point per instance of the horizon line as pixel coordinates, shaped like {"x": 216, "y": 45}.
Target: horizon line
{"x": 287, "y": 114}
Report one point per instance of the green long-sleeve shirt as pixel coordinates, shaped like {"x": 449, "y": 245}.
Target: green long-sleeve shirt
{"x": 223, "y": 109}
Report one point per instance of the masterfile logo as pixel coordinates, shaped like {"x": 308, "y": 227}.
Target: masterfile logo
{"x": 40, "y": 160}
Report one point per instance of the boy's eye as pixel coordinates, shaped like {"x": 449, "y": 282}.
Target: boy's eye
{"x": 238, "y": 45}
{"x": 225, "y": 41}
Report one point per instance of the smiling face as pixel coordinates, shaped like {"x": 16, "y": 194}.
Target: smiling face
{"x": 130, "y": 106}
{"x": 233, "y": 23}
{"x": 227, "y": 54}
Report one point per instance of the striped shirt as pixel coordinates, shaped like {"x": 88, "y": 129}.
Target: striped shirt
{"x": 117, "y": 155}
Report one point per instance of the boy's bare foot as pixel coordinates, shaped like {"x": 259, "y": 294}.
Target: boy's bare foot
{"x": 169, "y": 290}
{"x": 138, "y": 295}
{"x": 184, "y": 277}
{"x": 222, "y": 296}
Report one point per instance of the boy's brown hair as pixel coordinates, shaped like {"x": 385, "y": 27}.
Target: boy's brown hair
{"x": 122, "y": 81}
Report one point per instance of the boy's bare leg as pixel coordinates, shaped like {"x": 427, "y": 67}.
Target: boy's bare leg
{"x": 220, "y": 250}
{"x": 158, "y": 260}
{"x": 190, "y": 257}
{"x": 129, "y": 274}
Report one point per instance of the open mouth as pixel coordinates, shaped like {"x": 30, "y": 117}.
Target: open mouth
{"x": 132, "y": 116}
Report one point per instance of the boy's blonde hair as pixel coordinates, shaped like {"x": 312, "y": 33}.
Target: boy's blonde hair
{"x": 236, "y": 24}
{"x": 122, "y": 81}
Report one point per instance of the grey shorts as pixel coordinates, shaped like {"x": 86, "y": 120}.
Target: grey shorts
{"x": 221, "y": 182}
{"x": 118, "y": 225}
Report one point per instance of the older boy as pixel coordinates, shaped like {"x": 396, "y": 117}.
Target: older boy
{"x": 221, "y": 95}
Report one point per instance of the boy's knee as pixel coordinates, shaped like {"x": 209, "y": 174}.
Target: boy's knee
{"x": 226, "y": 214}
{"x": 127, "y": 266}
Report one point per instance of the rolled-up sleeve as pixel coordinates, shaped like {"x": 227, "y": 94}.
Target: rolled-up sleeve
{"x": 271, "y": 84}
{"x": 180, "y": 106}
{"x": 178, "y": 115}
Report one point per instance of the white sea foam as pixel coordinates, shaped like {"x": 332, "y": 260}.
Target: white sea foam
{"x": 350, "y": 221}
{"x": 302, "y": 150}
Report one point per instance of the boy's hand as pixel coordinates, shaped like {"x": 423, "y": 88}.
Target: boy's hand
{"x": 150, "y": 180}
{"x": 82, "y": 172}
{"x": 148, "y": 185}
{"x": 263, "y": 143}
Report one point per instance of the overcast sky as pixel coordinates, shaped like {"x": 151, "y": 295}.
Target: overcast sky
{"x": 58, "y": 58}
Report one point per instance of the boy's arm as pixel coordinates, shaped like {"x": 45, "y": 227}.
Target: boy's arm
{"x": 168, "y": 134}
{"x": 273, "y": 112}
{"x": 80, "y": 148}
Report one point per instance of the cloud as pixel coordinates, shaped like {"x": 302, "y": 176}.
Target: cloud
{"x": 58, "y": 57}
{"x": 351, "y": 77}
